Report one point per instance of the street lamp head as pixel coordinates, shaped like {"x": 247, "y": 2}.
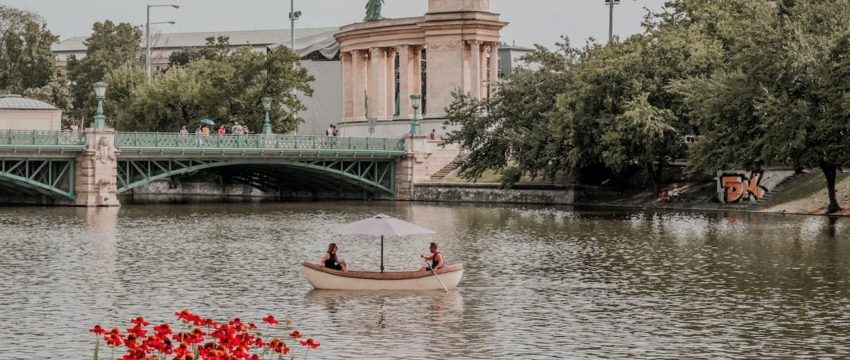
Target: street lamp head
{"x": 99, "y": 89}
{"x": 414, "y": 100}
{"x": 171, "y": 22}
{"x": 175, "y": 6}
{"x": 267, "y": 102}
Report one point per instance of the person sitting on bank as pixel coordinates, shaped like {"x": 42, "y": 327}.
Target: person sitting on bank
{"x": 435, "y": 257}
{"x": 664, "y": 198}
{"x": 331, "y": 261}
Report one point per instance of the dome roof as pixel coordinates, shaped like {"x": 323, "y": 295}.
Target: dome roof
{"x": 16, "y": 102}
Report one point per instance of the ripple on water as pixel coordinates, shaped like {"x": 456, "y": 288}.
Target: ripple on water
{"x": 541, "y": 282}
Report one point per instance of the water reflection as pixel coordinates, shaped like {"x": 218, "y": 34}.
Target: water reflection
{"x": 540, "y": 282}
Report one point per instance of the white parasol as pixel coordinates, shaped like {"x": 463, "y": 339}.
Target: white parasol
{"x": 381, "y": 225}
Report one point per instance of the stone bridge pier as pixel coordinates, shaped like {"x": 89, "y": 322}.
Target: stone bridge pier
{"x": 424, "y": 158}
{"x": 96, "y": 169}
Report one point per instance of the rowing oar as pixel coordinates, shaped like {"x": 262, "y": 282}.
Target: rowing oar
{"x": 435, "y": 274}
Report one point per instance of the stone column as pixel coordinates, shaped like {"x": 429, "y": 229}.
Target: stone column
{"x": 475, "y": 71}
{"x": 484, "y": 71}
{"x": 405, "y": 81}
{"x": 416, "y": 84}
{"x": 358, "y": 76}
{"x": 97, "y": 170}
{"x": 377, "y": 83}
{"x": 390, "y": 96}
{"x": 494, "y": 65}
{"x": 347, "y": 88}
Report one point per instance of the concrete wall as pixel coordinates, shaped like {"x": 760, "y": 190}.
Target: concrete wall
{"x": 325, "y": 106}
{"x": 199, "y": 190}
{"x": 740, "y": 186}
{"x": 492, "y": 193}
{"x": 31, "y": 119}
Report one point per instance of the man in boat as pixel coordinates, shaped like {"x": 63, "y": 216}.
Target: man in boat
{"x": 330, "y": 260}
{"x": 436, "y": 259}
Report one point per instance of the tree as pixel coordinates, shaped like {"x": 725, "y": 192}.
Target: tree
{"x": 620, "y": 106}
{"x": 26, "y": 59}
{"x": 780, "y": 98}
{"x": 224, "y": 88}
{"x": 174, "y": 99}
{"x": 183, "y": 57}
{"x": 55, "y": 92}
{"x": 508, "y": 132}
{"x": 108, "y": 48}
{"x": 123, "y": 83}
{"x": 14, "y": 19}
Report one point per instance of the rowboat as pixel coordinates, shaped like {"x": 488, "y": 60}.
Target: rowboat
{"x": 328, "y": 279}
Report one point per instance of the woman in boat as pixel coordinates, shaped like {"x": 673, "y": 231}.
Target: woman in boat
{"x": 330, "y": 260}
{"x": 436, "y": 259}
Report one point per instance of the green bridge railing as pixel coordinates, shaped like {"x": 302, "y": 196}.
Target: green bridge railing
{"x": 144, "y": 140}
{"x": 41, "y": 138}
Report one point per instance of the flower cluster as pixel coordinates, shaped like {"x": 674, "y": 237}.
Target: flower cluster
{"x": 203, "y": 338}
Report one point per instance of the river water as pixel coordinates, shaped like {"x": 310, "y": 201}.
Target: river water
{"x": 540, "y": 282}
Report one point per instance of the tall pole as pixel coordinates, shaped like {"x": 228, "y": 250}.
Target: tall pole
{"x": 292, "y": 23}
{"x": 610, "y": 20}
{"x": 148, "y": 44}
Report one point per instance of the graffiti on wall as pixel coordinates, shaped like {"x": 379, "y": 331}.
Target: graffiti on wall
{"x": 739, "y": 187}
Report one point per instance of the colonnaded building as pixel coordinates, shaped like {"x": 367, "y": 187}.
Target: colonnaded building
{"x": 368, "y": 70}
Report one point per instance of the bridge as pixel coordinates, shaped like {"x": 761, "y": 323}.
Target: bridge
{"x": 91, "y": 167}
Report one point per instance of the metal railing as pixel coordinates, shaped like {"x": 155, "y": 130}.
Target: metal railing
{"x": 145, "y": 140}
{"x": 40, "y": 138}
{"x": 46, "y": 139}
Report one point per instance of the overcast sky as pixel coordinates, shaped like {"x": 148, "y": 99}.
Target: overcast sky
{"x": 531, "y": 21}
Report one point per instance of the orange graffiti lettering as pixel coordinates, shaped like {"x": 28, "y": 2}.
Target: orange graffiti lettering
{"x": 736, "y": 187}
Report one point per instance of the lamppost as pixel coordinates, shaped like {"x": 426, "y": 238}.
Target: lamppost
{"x": 148, "y": 37}
{"x": 611, "y": 4}
{"x": 414, "y": 102}
{"x": 99, "y": 93}
{"x": 267, "y": 102}
{"x": 293, "y": 15}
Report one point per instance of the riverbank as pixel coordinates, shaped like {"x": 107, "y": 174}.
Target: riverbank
{"x": 806, "y": 195}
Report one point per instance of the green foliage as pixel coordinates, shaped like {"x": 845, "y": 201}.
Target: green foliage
{"x": 109, "y": 47}
{"x": 123, "y": 82}
{"x": 26, "y": 60}
{"x": 56, "y": 93}
{"x": 510, "y": 121}
{"x": 222, "y": 86}
{"x": 183, "y": 57}
{"x": 781, "y": 98}
{"x": 602, "y": 104}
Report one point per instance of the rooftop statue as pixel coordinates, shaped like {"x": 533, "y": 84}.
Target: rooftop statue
{"x": 373, "y": 10}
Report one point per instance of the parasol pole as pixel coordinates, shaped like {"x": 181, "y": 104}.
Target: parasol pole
{"x": 382, "y": 253}
{"x": 435, "y": 274}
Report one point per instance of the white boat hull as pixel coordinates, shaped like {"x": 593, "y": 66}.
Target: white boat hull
{"x": 326, "y": 279}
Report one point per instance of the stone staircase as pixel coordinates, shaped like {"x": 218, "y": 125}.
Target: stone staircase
{"x": 777, "y": 189}
{"x": 446, "y": 170}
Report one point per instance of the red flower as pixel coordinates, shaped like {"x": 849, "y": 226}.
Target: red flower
{"x": 114, "y": 337}
{"x": 310, "y": 343}
{"x": 140, "y": 321}
{"x": 98, "y": 330}
{"x": 138, "y": 331}
{"x": 278, "y": 346}
{"x": 162, "y": 330}
{"x": 295, "y": 334}
{"x": 270, "y": 320}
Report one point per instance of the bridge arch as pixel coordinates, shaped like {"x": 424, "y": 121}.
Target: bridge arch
{"x": 53, "y": 178}
{"x": 370, "y": 174}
